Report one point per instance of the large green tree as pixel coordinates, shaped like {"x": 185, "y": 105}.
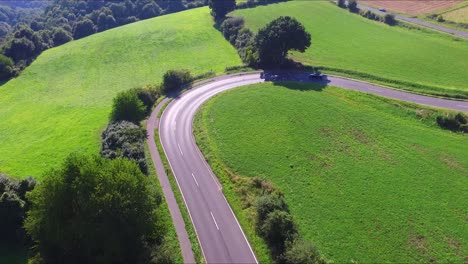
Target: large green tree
{"x": 275, "y": 40}
{"x": 94, "y": 210}
{"x": 127, "y": 106}
{"x": 220, "y": 8}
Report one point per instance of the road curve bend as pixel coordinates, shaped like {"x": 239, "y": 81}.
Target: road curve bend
{"x": 219, "y": 233}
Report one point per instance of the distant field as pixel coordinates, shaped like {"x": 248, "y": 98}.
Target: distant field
{"x": 459, "y": 15}
{"x": 365, "y": 179}
{"x": 395, "y": 55}
{"x": 413, "y": 7}
{"x": 62, "y": 101}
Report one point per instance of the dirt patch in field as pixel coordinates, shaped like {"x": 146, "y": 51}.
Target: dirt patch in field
{"x": 413, "y": 7}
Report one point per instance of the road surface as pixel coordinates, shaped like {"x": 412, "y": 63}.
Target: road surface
{"x": 220, "y": 235}
{"x": 418, "y": 22}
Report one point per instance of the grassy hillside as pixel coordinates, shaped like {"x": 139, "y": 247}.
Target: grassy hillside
{"x": 61, "y": 102}
{"x": 367, "y": 179}
{"x": 347, "y": 41}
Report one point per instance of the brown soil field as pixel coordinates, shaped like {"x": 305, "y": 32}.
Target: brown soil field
{"x": 413, "y": 7}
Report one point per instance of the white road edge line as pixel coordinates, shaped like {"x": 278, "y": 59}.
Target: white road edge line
{"x": 464, "y": 106}
{"x": 180, "y": 149}
{"x": 214, "y": 220}
{"x": 193, "y": 176}
{"x": 242, "y": 231}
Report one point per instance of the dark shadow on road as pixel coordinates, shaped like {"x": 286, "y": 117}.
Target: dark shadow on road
{"x": 295, "y": 80}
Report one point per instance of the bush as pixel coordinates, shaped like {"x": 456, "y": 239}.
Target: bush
{"x": 341, "y": 3}
{"x": 440, "y": 18}
{"x": 268, "y": 203}
{"x": 13, "y": 208}
{"x": 148, "y": 95}
{"x": 352, "y": 5}
{"x": 231, "y": 27}
{"x": 84, "y": 28}
{"x": 302, "y": 251}
{"x": 454, "y": 122}
{"x": 277, "y": 229}
{"x": 128, "y": 107}
{"x": 174, "y": 80}
{"x": 60, "y": 36}
{"x": 124, "y": 140}
{"x": 94, "y": 210}
{"x": 6, "y": 68}
{"x": 389, "y": 19}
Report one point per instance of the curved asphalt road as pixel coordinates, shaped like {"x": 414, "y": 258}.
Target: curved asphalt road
{"x": 418, "y": 22}
{"x": 220, "y": 235}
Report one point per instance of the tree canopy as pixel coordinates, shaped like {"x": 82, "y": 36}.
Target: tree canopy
{"x": 275, "y": 40}
{"x": 220, "y": 8}
{"x": 94, "y": 210}
{"x": 128, "y": 107}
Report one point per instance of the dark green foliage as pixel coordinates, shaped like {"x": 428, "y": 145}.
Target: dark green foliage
{"x": 4, "y": 29}
{"x": 61, "y": 36}
{"x": 275, "y": 40}
{"x": 352, "y": 6}
{"x": 245, "y": 47}
{"x": 242, "y": 38}
{"x": 254, "y": 3}
{"x": 128, "y": 107}
{"x": 440, "y": 18}
{"x": 454, "y": 122}
{"x": 220, "y": 8}
{"x": 174, "y": 80}
{"x": 124, "y": 140}
{"x": 389, "y": 19}
{"x": 341, "y": 3}
{"x": 13, "y": 208}
{"x": 268, "y": 203}
{"x": 84, "y": 28}
{"x": 94, "y": 210}
{"x": 278, "y": 229}
{"x": 6, "y": 67}
{"x": 19, "y": 49}
{"x": 105, "y": 22}
{"x": 302, "y": 251}
{"x": 150, "y": 10}
{"x": 148, "y": 96}
{"x": 231, "y": 27}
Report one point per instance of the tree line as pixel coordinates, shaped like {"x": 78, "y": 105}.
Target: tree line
{"x": 270, "y": 46}
{"x": 65, "y": 20}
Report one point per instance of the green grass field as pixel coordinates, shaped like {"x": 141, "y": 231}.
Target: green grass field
{"x": 366, "y": 49}
{"x": 61, "y": 102}
{"x": 367, "y": 179}
{"x": 459, "y": 15}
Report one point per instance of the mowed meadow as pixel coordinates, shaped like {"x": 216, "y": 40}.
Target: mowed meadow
{"x": 367, "y": 179}
{"x": 346, "y": 43}
{"x": 61, "y": 102}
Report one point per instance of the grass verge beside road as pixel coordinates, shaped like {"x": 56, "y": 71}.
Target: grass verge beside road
{"x": 367, "y": 179}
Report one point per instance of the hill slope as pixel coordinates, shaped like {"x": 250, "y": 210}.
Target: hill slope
{"x": 347, "y": 41}
{"x": 61, "y": 102}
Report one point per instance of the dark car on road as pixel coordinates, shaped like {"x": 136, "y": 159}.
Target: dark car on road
{"x": 316, "y": 76}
